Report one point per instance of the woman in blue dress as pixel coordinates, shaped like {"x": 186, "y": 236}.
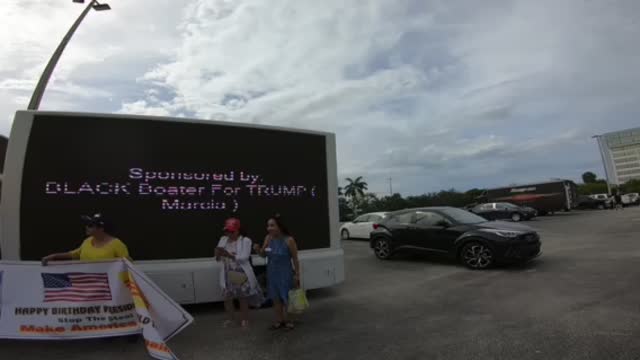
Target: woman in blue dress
{"x": 283, "y": 268}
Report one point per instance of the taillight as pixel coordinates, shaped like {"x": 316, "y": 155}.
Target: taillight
{"x": 375, "y": 226}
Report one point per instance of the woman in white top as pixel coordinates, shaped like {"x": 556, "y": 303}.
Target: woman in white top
{"x": 237, "y": 278}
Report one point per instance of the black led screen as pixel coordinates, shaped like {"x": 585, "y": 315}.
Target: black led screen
{"x": 168, "y": 186}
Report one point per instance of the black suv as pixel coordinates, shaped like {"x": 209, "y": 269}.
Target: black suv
{"x": 457, "y": 233}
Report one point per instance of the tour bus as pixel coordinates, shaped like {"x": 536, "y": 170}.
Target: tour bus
{"x": 545, "y": 197}
{"x": 167, "y": 185}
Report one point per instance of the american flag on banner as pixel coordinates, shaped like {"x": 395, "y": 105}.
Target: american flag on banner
{"x": 76, "y": 287}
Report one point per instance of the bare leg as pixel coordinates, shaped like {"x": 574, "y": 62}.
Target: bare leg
{"x": 287, "y": 323}
{"x": 244, "y": 312}
{"x": 229, "y": 308}
{"x": 278, "y": 308}
{"x": 284, "y": 312}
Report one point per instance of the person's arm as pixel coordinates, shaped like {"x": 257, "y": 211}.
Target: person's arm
{"x": 121, "y": 250}
{"x": 293, "y": 249}
{"x": 260, "y": 250}
{"x": 219, "y": 248}
{"x": 245, "y": 250}
{"x": 71, "y": 255}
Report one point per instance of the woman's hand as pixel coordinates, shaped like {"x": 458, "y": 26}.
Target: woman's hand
{"x": 256, "y": 248}
{"x": 59, "y": 257}
{"x": 53, "y": 257}
{"x": 220, "y": 252}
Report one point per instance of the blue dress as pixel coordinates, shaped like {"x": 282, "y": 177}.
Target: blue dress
{"x": 279, "y": 270}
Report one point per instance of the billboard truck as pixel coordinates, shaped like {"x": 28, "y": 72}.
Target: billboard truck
{"x": 545, "y": 197}
{"x": 168, "y": 184}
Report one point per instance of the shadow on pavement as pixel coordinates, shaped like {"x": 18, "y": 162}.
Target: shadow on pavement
{"x": 419, "y": 257}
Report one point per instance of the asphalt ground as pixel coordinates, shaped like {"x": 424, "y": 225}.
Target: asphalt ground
{"x": 579, "y": 300}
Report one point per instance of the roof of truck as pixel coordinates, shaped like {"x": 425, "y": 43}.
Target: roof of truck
{"x": 531, "y": 184}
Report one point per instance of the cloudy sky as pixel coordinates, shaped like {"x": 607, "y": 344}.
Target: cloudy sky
{"x": 432, "y": 93}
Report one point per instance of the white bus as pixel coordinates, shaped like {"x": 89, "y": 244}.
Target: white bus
{"x": 168, "y": 184}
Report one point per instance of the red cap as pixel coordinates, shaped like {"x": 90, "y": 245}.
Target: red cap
{"x": 232, "y": 225}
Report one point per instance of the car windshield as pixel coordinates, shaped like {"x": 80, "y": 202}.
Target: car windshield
{"x": 463, "y": 216}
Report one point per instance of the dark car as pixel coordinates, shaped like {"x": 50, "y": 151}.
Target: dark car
{"x": 504, "y": 211}
{"x": 587, "y": 202}
{"x": 531, "y": 212}
{"x": 457, "y": 233}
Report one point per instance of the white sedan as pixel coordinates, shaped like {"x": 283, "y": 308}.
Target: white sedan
{"x": 361, "y": 227}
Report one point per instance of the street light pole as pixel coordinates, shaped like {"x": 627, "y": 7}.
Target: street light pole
{"x": 48, "y": 70}
{"x": 604, "y": 161}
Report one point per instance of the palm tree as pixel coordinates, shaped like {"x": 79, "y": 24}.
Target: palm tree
{"x": 355, "y": 190}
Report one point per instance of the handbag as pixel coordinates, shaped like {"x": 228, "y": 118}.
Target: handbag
{"x": 237, "y": 277}
{"x": 298, "y": 302}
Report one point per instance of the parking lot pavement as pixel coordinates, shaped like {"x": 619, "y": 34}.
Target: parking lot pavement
{"x": 579, "y": 300}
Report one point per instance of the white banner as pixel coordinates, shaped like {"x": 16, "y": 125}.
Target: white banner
{"x": 87, "y": 300}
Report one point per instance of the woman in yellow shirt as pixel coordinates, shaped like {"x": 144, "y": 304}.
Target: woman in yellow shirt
{"x": 99, "y": 245}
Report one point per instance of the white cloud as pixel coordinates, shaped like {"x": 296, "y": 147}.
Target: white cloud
{"x": 434, "y": 93}
{"x": 413, "y": 85}
{"x": 102, "y": 61}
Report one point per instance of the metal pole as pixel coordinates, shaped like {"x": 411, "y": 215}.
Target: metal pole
{"x": 48, "y": 70}
{"x": 604, "y": 162}
{"x": 390, "y": 186}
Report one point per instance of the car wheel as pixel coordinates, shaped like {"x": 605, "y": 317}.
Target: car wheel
{"x": 476, "y": 255}
{"x": 382, "y": 248}
{"x": 600, "y": 207}
{"x": 344, "y": 234}
{"x": 515, "y": 217}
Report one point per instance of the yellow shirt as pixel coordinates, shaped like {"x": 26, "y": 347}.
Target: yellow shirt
{"x": 114, "y": 249}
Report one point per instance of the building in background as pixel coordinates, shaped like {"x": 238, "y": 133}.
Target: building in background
{"x": 620, "y": 152}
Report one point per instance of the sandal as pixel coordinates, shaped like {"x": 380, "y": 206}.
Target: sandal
{"x": 244, "y": 324}
{"x": 277, "y": 326}
{"x": 289, "y": 325}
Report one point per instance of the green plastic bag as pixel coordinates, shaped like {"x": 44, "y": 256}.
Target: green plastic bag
{"x": 298, "y": 302}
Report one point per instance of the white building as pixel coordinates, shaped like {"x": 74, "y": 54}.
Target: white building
{"x": 620, "y": 152}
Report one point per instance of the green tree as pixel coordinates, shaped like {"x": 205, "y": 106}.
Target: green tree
{"x": 355, "y": 191}
{"x": 355, "y": 187}
{"x": 369, "y": 203}
{"x": 631, "y": 186}
{"x": 344, "y": 210}
{"x": 589, "y": 177}
{"x": 592, "y": 188}
{"x": 355, "y": 201}
{"x": 393, "y": 203}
